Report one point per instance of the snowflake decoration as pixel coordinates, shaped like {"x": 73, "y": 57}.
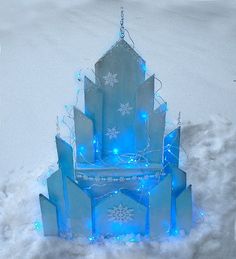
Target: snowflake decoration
{"x": 120, "y": 214}
{"x": 110, "y": 79}
{"x": 125, "y": 109}
{"x": 112, "y": 133}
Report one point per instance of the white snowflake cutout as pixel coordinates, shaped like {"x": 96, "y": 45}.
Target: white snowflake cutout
{"x": 110, "y": 79}
{"x": 125, "y": 109}
{"x": 112, "y": 133}
{"x": 120, "y": 214}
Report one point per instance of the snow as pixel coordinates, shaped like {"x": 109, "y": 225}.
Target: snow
{"x": 190, "y": 45}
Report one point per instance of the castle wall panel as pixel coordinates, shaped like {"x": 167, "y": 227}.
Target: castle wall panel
{"x": 119, "y": 215}
{"x": 184, "y": 210}
{"x": 49, "y": 216}
{"x": 156, "y": 128}
{"x": 79, "y": 210}
{"x": 65, "y": 157}
{"x": 57, "y": 194}
{"x": 144, "y": 108}
{"x": 160, "y": 209}
{"x": 171, "y": 148}
{"x": 94, "y": 110}
{"x": 84, "y": 138}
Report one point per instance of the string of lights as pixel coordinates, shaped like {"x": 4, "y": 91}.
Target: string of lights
{"x": 120, "y": 159}
{"x": 137, "y": 157}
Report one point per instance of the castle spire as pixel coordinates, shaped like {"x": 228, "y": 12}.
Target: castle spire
{"x": 122, "y": 28}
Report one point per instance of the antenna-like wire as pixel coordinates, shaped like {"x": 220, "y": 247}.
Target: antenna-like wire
{"x": 122, "y": 28}
{"x": 58, "y": 127}
{"x": 179, "y": 119}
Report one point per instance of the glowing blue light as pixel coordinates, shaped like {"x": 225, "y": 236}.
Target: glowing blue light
{"x": 144, "y": 115}
{"x": 38, "y": 225}
{"x": 133, "y": 240}
{"x": 144, "y": 67}
{"x": 174, "y": 232}
{"x": 78, "y": 76}
{"x": 115, "y": 192}
{"x": 131, "y": 160}
{"x": 91, "y": 238}
{"x": 115, "y": 151}
{"x": 94, "y": 141}
{"x": 202, "y": 214}
{"x": 81, "y": 149}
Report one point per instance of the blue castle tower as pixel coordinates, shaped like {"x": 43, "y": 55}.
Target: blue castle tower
{"x": 126, "y": 177}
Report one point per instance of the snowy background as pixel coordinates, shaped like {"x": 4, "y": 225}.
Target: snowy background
{"x": 190, "y": 45}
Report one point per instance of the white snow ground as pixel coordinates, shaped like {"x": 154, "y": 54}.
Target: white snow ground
{"x": 190, "y": 45}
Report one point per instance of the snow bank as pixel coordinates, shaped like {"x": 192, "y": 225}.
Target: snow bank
{"x": 211, "y": 168}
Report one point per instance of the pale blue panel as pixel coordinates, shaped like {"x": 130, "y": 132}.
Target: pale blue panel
{"x": 49, "y": 216}
{"x": 145, "y": 96}
{"x": 178, "y": 185}
{"x": 126, "y": 71}
{"x": 94, "y": 110}
{"x": 145, "y": 106}
{"x": 140, "y": 195}
{"x": 84, "y": 137}
{"x": 65, "y": 157}
{"x": 178, "y": 180}
{"x": 156, "y": 128}
{"x": 184, "y": 210}
{"x": 79, "y": 210}
{"x": 57, "y": 194}
{"x": 119, "y": 215}
{"x": 160, "y": 209}
{"x": 171, "y": 148}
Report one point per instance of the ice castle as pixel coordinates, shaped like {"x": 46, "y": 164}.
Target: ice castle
{"x": 126, "y": 177}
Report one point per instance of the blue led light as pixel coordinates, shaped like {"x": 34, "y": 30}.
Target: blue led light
{"x": 144, "y": 115}
{"x": 202, "y": 214}
{"x": 91, "y": 238}
{"x": 133, "y": 240}
{"x": 115, "y": 151}
{"x": 144, "y": 67}
{"x": 131, "y": 160}
{"x": 174, "y": 232}
{"x": 81, "y": 149}
{"x": 38, "y": 225}
{"x": 78, "y": 76}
